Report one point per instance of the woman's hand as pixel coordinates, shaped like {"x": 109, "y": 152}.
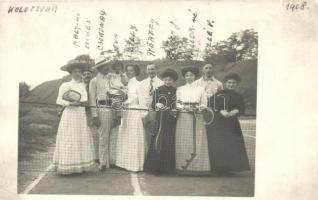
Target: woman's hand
{"x": 125, "y": 103}
{"x": 225, "y": 114}
{"x": 233, "y": 112}
{"x": 160, "y": 105}
{"x": 173, "y": 113}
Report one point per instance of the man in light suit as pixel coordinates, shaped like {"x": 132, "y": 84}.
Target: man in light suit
{"x": 102, "y": 117}
{"x": 145, "y": 95}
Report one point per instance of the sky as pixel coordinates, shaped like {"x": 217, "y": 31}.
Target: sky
{"x": 43, "y": 42}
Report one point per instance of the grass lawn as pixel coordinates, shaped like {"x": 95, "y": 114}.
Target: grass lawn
{"x": 37, "y": 131}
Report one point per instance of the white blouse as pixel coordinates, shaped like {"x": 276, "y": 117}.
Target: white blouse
{"x": 191, "y": 93}
{"x": 133, "y": 85}
{"x": 71, "y": 85}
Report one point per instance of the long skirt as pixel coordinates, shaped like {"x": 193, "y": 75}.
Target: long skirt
{"x": 74, "y": 150}
{"x": 112, "y": 144}
{"x": 131, "y": 143}
{"x": 116, "y": 115}
{"x": 161, "y": 154}
{"x": 226, "y": 145}
{"x": 192, "y": 156}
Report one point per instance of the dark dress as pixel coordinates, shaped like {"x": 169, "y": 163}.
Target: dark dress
{"x": 225, "y": 139}
{"x": 161, "y": 154}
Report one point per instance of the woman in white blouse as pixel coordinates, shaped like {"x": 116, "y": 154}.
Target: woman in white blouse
{"x": 192, "y": 156}
{"x": 131, "y": 142}
{"x": 74, "y": 150}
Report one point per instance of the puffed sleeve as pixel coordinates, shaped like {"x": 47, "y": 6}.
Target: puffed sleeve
{"x": 173, "y": 100}
{"x": 92, "y": 96}
{"x": 63, "y": 88}
{"x": 155, "y": 98}
{"x": 220, "y": 86}
{"x": 203, "y": 98}
{"x": 178, "y": 100}
{"x": 135, "y": 93}
{"x": 240, "y": 105}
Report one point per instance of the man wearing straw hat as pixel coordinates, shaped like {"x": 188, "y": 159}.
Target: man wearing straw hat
{"x": 102, "y": 116}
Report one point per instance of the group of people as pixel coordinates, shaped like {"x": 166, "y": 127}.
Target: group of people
{"x": 94, "y": 131}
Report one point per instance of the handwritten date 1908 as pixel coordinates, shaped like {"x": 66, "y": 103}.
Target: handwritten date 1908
{"x": 296, "y": 6}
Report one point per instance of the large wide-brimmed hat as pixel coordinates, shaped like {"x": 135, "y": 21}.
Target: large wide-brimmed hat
{"x": 101, "y": 60}
{"x": 170, "y": 73}
{"x": 76, "y": 63}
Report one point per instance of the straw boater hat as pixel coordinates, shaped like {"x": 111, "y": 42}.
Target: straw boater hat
{"x": 101, "y": 60}
{"x": 76, "y": 63}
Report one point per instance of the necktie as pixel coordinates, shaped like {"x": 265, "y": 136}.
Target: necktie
{"x": 151, "y": 87}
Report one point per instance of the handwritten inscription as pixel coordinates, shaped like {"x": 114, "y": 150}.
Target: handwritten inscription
{"x": 25, "y": 9}
{"x": 102, "y": 19}
{"x": 296, "y": 6}
{"x": 87, "y": 33}
{"x": 77, "y": 30}
{"x": 150, "y": 41}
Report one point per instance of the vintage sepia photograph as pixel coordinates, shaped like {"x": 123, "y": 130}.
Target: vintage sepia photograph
{"x": 135, "y": 98}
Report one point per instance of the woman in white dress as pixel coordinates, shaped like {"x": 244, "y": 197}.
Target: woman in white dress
{"x": 131, "y": 142}
{"x": 192, "y": 157}
{"x": 74, "y": 150}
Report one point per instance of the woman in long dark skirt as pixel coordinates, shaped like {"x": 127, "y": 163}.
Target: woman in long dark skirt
{"x": 161, "y": 153}
{"x": 225, "y": 140}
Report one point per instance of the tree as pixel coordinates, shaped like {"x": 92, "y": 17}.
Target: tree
{"x": 250, "y": 41}
{"x": 117, "y": 53}
{"x": 239, "y": 46}
{"x": 176, "y": 47}
{"x": 192, "y": 50}
{"x": 109, "y": 54}
{"x": 132, "y": 50}
{"x": 209, "y": 32}
{"x": 24, "y": 90}
{"x": 151, "y": 38}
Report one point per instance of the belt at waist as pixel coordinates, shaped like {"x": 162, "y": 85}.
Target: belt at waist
{"x": 189, "y": 103}
{"x": 107, "y": 102}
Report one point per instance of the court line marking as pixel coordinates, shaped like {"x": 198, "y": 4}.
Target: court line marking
{"x": 37, "y": 180}
{"x": 135, "y": 184}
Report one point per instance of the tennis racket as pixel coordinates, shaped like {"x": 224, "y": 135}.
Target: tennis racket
{"x": 72, "y": 96}
{"x": 208, "y": 116}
